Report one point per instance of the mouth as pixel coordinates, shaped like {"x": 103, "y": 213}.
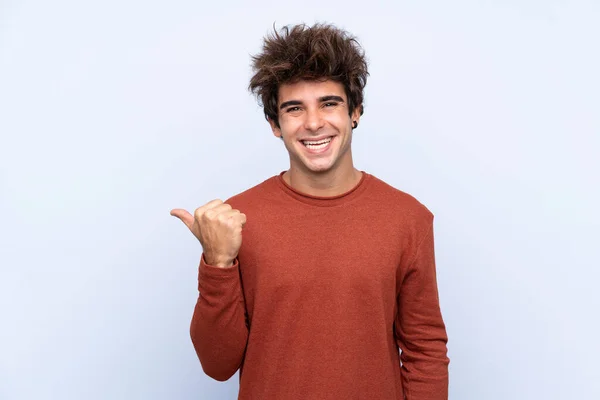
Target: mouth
{"x": 318, "y": 146}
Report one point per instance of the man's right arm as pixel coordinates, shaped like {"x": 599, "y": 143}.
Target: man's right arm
{"x": 218, "y": 330}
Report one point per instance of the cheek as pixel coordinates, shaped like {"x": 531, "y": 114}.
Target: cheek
{"x": 342, "y": 123}
{"x": 340, "y": 118}
{"x": 289, "y": 125}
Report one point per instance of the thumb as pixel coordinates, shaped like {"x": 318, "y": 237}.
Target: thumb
{"x": 184, "y": 216}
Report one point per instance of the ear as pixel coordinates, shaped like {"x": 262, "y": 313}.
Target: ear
{"x": 274, "y": 128}
{"x": 355, "y": 115}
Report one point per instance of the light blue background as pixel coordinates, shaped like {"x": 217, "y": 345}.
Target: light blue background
{"x": 112, "y": 113}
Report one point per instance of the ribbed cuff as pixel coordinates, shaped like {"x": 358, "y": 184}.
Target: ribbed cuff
{"x": 207, "y": 271}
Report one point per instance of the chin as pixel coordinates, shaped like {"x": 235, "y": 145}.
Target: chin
{"x": 319, "y": 168}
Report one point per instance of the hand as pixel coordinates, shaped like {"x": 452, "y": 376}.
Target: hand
{"x": 218, "y": 227}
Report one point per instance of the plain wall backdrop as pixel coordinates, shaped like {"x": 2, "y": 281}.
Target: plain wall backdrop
{"x": 112, "y": 113}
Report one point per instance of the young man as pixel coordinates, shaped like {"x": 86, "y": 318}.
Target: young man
{"x": 336, "y": 271}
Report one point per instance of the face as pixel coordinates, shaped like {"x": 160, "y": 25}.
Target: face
{"x": 316, "y": 125}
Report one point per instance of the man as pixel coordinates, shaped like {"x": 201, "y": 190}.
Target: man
{"x": 336, "y": 270}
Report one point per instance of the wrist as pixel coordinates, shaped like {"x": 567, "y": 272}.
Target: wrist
{"x": 216, "y": 261}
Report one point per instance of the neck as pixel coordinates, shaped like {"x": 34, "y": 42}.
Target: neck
{"x": 329, "y": 183}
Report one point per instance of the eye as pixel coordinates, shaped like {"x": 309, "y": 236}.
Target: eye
{"x": 331, "y": 104}
{"x": 292, "y": 109}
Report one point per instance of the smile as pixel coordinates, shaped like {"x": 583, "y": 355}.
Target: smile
{"x": 317, "y": 146}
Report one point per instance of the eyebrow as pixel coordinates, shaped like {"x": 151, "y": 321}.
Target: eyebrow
{"x": 321, "y": 100}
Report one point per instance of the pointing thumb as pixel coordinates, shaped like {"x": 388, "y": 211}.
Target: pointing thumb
{"x": 184, "y": 216}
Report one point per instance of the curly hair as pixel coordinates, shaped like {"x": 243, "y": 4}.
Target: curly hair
{"x": 300, "y": 52}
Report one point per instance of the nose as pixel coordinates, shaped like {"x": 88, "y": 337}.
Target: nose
{"x": 314, "y": 120}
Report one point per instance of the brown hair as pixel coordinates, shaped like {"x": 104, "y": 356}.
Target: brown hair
{"x": 312, "y": 53}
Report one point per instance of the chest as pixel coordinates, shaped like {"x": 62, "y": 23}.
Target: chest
{"x": 321, "y": 258}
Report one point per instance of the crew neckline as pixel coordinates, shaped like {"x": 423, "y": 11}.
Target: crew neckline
{"x": 325, "y": 201}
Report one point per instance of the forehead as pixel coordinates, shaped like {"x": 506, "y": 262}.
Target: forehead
{"x": 309, "y": 90}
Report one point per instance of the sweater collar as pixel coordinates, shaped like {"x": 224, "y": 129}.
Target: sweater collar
{"x": 325, "y": 201}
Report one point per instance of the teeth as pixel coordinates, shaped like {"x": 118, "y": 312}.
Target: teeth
{"x": 306, "y": 142}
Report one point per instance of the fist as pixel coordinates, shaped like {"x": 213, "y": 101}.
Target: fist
{"x": 218, "y": 227}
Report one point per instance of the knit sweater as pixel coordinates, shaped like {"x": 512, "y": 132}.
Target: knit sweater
{"x": 329, "y": 298}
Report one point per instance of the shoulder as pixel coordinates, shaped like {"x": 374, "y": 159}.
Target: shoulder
{"x": 253, "y": 196}
{"x": 401, "y": 206}
{"x": 398, "y": 199}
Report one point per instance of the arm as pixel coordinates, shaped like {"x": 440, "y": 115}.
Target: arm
{"x": 419, "y": 328}
{"x": 218, "y": 329}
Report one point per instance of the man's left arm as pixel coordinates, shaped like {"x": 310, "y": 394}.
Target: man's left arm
{"x": 419, "y": 328}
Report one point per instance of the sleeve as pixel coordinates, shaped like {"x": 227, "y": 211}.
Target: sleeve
{"x": 218, "y": 329}
{"x": 419, "y": 327}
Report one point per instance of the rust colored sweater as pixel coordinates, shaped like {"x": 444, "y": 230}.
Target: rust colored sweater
{"x": 323, "y": 295}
